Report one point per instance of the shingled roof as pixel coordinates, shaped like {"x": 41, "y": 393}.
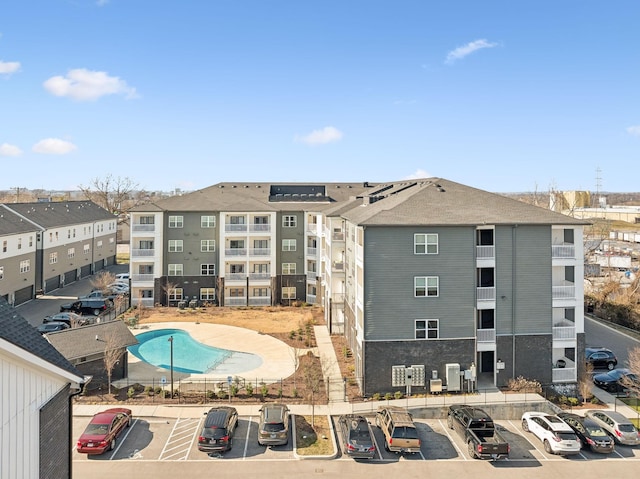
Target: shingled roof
{"x": 11, "y": 223}
{"x": 80, "y": 342}
{"x": 63, "y": 213}
{"x": 16, "y": 330}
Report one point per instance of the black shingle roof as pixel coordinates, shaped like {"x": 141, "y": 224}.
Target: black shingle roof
{"x": 12, "y": 223}
{"x": 63, "y": 213}
{"x": 17, "y": 331}
{"x": 76, "y": 343}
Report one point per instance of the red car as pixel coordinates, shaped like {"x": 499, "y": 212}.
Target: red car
{"x": 100, "y": 434}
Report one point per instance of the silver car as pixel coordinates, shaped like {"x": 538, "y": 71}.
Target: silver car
{"x": 617, "y": 425}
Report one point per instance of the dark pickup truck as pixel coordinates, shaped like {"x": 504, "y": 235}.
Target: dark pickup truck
{"x": 476, "y": 427}
{"x": 87, "y": 306}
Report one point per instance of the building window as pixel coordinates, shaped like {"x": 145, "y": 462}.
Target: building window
{"x": 260, "y": 292}
{"x": 288, "y": 268}
{"x": 261, "y": 220}
{"x": 25, "y": 266}
{"x": 289, "y": 292}
{"x": 111, "y": 240}
{"x": 53, "y": 257}
{"x": 208, "y": 245}
{"x": 289, "y": 221}
{"x": 175, "y": 221}
{"x": 175, "y": 270}
{"x": 207, "y": 222}
{"x": 30, "y": 241}
{"x": 68, "y": 234}
{"x": 175, "y": 246}
{"x": 426, "y": 286}
{"x": 4, "y": 246}
{"x": 425, "y": 244}
{"x": 19, "y": 243}
{"x": 427, "y": 329}
{"x": 236, "y": 292}
{"x": 207, "y": 294}
{"x": 175, "y": 294}
{"x": 288, "y": 245}
{"x": 146, "y": 220}
{"x": 1, "y": 272}
{"x": 208, "y": 269}
{"x": 71, "y": 252}
{"x": 146, "y": 293}
{"x": 86, "y": 249}
{"x": 99, "y": 245}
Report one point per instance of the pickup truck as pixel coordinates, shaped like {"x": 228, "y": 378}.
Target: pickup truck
{"x": 97, "y": 294}
{"x": 476, "y": 427}
{"x": 400, "y": 433}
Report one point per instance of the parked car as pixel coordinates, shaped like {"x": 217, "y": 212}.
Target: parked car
{"x": 72, "y": 319}
{"x": 600, "y": 358}
{"x": 356, "y": 436}
{"x": 87, "y": 306}
{"x": 101, "y": 433}
{"x": 97, "y": 294}
{"x": 477, "y": 430}
{"x": 273, "y": 428}
{"x": 219, "y": 427}
{"x": 555, "y": 434}
{"x": 614, "y": 381}
{"x": 619, "y": 427}
{"x": 591, "y": 435}
{"x": 122, "y": 277}
{"x": 400, "y": 433}
{"x": 118, "y": 288}
{"x": 52, "y": 327}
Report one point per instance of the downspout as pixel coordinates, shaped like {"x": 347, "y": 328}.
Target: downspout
{"x": 513, "y": 299}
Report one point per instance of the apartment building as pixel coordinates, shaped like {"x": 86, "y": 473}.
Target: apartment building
{"x": 47, "y": 245}
{"x": 427, "y": 279}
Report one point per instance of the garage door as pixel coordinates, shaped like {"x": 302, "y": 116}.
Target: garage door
{"x": 70, "y": 276}
{"x": 85, "y": 271}
{"x": 23, "y": 295}
{"x": 51, "y": 284}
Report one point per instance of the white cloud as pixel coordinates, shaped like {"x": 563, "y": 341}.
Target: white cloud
{"x": 7, "y": 68}
{"x": 86, "y": 85}
{"x": 328, "y": 134}
{"x": 54, "y": 146}
{"x": 634, "y": 130}
{"x": 418, "y": 174}
{"x": 9, "y": 150}
{"x": 468, "y": 49}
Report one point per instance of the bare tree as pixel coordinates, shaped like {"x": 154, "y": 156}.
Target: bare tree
{"x": 103, "y": 280}
{"x": 169, "y": 288}
{"x": 115, "y": 194}
{"x": 112, "y": 354}
{"x": 634, "y": 368}
{"x": 313, "y": 379}
{"x": 585, "y": 382}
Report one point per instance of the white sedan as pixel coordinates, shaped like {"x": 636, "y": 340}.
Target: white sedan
{"x": 556, "y": 435}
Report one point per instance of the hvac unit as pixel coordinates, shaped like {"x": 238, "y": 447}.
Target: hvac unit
{"x": 453, "y": 376}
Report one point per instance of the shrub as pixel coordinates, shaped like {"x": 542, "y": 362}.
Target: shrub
{"x": 131, "y": 392}
{"x": 249, "y": 389}
{"x": 376, "y": 396}
{"x": 398, "y": 394}
{"x": 521, "y": 384}
{"x": 264, "y": 390}
{"x": 149, "y": 390}
{"x": 158, "y": 390}
{"x": 573, "y": 401}
{"x": 211, "y": 394}
{"x": 388, "y": 396}
{"x": 233, "y": 390}
{"x": 295, "y": 393}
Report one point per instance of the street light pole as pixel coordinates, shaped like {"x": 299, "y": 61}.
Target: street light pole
{"x": 171, "y": 342}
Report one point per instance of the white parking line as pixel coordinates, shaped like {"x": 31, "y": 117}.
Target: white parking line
{"x": 246, "y": 439}
{"x": 177, "y": 442}
{"x": 446, "y": 430}
{"x": 121, "y": 440}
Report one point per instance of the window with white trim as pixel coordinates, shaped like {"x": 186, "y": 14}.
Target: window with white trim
{"x": 426, "y": 286}
{"x": 25, "y": 266}
{"x": 288, "y": 292}
{"x": 175, "y": 294}
{"x": 4, "y": 246}
{"x": 99, "y": 245}
{"x": 175, "y": 270}
{"x": 260, "y": 292}
{"x": 71, "y": 252}
{"x": 1, "y": 272}
{"x": 207, "y": 294}
{"x": 19, "y": 243}
{"x": 427, "y": 328}
{"x": 207, "y": 269}
{"x": 207, "y": 245}
{"x": 289, "y": 221}
{"x": 288, "y": 245}
{"x": 86, "y": 249}
{"x": 53, "y": 257}
{"x": 175, "y": 246}
{"x": 207, "y": 221}
{"x": 288, "y": 268}
{"x": 236, "y": 292}
{"x": 176, "y": 221}
{"x": 425, "y": 243}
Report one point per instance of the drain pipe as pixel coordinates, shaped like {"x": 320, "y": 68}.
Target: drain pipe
{"x": 513, "y": 300}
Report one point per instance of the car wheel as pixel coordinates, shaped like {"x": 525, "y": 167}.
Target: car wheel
{"x": 386, "y": 446}
{"x": 610, "y": 366}
{"x": 129, "y": 422}
{"x": 112, "y": 444}
{"x": 525, "y": 425}
{"x": 96, "y": 312}
{"x": 377, "y": 421}
{"x": 450, "y": 422}
{"x": 471, "y": 450}
{"x": 547, "y": 447}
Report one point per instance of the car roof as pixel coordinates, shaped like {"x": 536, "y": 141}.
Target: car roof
{"x": 217, "y": 416}
{"x": 274, "y": 411}
{"x": 615, "y": 415}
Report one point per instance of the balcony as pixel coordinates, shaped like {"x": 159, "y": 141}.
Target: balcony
{"x": 337, "y": 266}
{"x": 337, "y": 298}
{"x": 337, "y": 236}
{"x": 235, "y": 251}
{"x": 485, "y": 252}
{"x": 259, "y": 228}
{"x": 312, "y": 229}
{"x": 146, "y": 302}
{"x": 259, "y": 276}
{"x": 233, "y": 228}
{"x": 311, "y": 251}
{"x": 235, "y": 301}
{"x": 567, "y": 291}
{"x": 235, "y": 277}
{"x": 486, "y": 335}
{"x": 259, "y": 300}
{"x": 312, "y": 275}
{"x": 564, "y": 332}
{"x": 143, "y": 228}
{"x": 142, "y": 277}
{"x": 563, "y": 251}
{"x": 486, "y": 293}
{"x": 311, "y": 298}
{"x": 260, "y": 252}
{"x": 142, "y": 253}
{"x": 563, "y": 375}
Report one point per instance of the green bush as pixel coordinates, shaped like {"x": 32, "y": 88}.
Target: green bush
{"x": 211, "y": 394}
{"x": 376, "y": 396}
{"x": 249, "y": 389}
{"x": 131, "y": 392}
{"x": 148, "y": 390}
{"x": 233, "y": 390}
{"x": 264, "y": 390}
{"x": 573, "y": 401}
{"x": 397, "y": 395}
{"x": 388, "y": 396}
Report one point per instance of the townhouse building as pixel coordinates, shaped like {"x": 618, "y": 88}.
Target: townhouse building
{"x": 47, "y": 245}
{"x": 432, "y": 282}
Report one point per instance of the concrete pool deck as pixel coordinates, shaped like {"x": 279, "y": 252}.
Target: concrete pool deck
{"x": 277, "y": 358}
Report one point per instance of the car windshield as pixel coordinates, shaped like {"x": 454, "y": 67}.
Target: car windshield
{"x": 567, "y": 436}
{"x": 595, "y": 431}
{"x": 214, "y": 432}
{"x": 96, "y": 429}
{"x": 626, "y": 428}
{"x": 405, "y": 433}
{"x": 274, "y": 427}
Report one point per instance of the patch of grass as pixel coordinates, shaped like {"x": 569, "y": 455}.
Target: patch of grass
{"x": 313, "y": 440}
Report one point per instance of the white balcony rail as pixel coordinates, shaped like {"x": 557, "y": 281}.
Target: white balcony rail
{"x": 311, "y": 298}
{"x": 142, "y": 277}
{"x": 337, "y": 236}
{"x": 486, "y": 335}
{"x": 259, "y": 276}
{"x": 563, "y": 251}
{"x": 137, "y": 253}
{"x": 235, "y": 276}
{"x": 259, "y": 300}
{"x": 312, "y": 229}
{"x": 562, "y": 375}
{"x": 260, "y": 228}
{"x": 564, "y": 332}
{"x": 337, "y": 266}
{"x": 486, "y": 293}
{"x": 563, "y": 292}
{"x": 312, "y": 251}
{"x": 235, "y": 251}
{"x": 312, "y": 275}
{"x": 143, "y": 228}
{"x": 259, "y": 251}
{"x": 146, "y": 302}
{"x": 233, "y": 227}
{"x": 485, "y": 252}
{"x": 235, "y": 301}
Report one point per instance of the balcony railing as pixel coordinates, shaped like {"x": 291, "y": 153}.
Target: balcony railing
{"x": 143, "y": 228}
{"x": 142, "y": 277}
{"x": 485, "y": 252}
{"x": 311, "y": 298}
{"x": 259, "y": 251}
{"x": 562, "y": 375}
{"x": 146, "y": 302}
{"x": 137, "y": 253}
{"x": 486, "y": 293}
{"x": 260, "y": 276}
{"x": 235, "y": 276}
{"x": 233, "y": 228}
{"x": 235, "y": 301}
{"x": 486, "y": 335}
{"x": 311, "y": 251}
{"x": 337, "y": 298}
{"x": 564, "y": 332}
{"x": 337, "y": 236}
{"x": 337, "y": 266}
{"x": 563, "y": 292}
{"x": 260, "y": 228}
{"x": 312, "y": 275}
{"x": 259, "y": 300}
{"x": 235, "y": 251}
{"x": 563, "y": 251}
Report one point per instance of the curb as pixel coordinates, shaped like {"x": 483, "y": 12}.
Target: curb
{"x": 316, "y": 457}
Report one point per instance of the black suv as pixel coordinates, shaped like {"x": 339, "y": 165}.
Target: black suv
{"x": 87, "y": 306}
{"x": 219, "y": 426}
{"x": 600, "y": 358}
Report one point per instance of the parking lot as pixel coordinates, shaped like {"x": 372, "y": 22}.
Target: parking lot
{"x": 158, "y": 439}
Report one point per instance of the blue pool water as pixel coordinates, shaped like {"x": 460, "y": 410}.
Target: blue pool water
{"x": 189, "y": 355}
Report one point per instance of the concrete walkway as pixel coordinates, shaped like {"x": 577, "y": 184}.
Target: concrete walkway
{"x": 330, "y": 368}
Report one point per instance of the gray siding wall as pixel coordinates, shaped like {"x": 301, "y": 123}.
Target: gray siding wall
{"x": 523, "y": 278}
{"x": 191, "y": 258}
{"x": 533, "y": 358}
{"x": 14, "y": 280}
{"x": 390, "y": 267}
{"x": 296, "y": 233}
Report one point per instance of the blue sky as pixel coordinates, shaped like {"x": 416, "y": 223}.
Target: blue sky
{"x": 505, "y": 96}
